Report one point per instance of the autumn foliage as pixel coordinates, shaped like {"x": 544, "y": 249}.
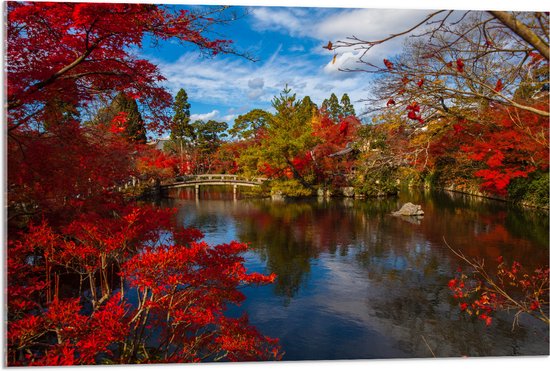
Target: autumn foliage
{"x": 514, "y": 288}
{"x": 93, "y": 277}
{"x": 73, "y": 51}
{"x": 503, "y": 144}
{"x": 128, "y": 283}
{"x": 513, "y": 144}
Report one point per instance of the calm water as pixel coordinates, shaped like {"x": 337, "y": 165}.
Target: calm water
{"x": 356, "y": 282}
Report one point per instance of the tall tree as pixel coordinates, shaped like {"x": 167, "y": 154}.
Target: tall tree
{"x": 288, "y": 139}
{"x": 209, "y": 139}
{"x": 182, "y": 133}
{"x": 124, "y": 110}
{"x": 307, "y": 109}
{"x": 209, "y": 134}
{"x": 332, "y": 108}
{"x": 247, "y": 126}
{"x": 181, "y": 129}
{"x": 347, "y": 107}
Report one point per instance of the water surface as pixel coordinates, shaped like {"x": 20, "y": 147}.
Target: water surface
{"x": 353, "y": 281}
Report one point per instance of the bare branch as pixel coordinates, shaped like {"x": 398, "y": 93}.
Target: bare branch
{"x": 522, "y": 31}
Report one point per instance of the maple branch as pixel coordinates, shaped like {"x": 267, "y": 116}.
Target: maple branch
{"x": 84, "y": 74}
{"x": 13, "y": 103}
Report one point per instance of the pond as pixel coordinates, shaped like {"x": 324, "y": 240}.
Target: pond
{"x": 355, "y": 282}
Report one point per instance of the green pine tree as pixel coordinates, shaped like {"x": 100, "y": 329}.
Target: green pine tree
{"x": 306, "y": 109}
{"x": 247, "y": 125}
{"x": 181, "y": 127}
{"x": 289, "y": 134}
{"x": 332, "y": 108}
{"x": 347, "y": 107}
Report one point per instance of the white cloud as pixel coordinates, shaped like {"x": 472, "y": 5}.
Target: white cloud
{"x": 324, "y": 24}
{"x": 256, "y": 83}
{"x": 205, "y": 116}
{"x": 229, "y": 118}
{"x": 226, "y": 82}
{"x": 367, "y": 24}
{"x": 347, "y": 60}
{"x": 337, "y": 25}
{"x": 278, "y": 19}
{"x": 255, "y": 94}
{"x": 213, "y": 115}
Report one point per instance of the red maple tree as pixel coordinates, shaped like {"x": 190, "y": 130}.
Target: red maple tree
{"x": 91, "y": 275}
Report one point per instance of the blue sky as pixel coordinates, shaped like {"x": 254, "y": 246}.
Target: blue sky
{"x": 287, "y": 41}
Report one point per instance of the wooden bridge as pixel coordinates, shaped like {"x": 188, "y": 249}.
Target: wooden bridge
{"x": 214, "y": 180}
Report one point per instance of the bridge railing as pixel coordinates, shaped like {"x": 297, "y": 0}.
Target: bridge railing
{"x": 216, "y": 177}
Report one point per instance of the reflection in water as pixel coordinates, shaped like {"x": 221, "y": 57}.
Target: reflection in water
{"x": 356, "y": 282}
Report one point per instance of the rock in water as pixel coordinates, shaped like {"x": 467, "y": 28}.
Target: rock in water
{"x": 409, "y": 209}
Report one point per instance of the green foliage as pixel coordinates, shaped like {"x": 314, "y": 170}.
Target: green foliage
{"x": 289, "y": 134}
{"x": 449, "y": 173}
{"x": 307, "y": 109}
{"x": 246, "y": 126}
{"x": 409, "y": 177}
{"x": 332, "y": 108}
{"x": 248, "y": 160}
{"x": 209, "y": 134}
{"x": 290, "y": 188}
{"x": 338, "y": 110}
{"x": 378, "y": 170}
{"x": 379, "y": 181}
{"x": 347, "y": 108}
{"x": 181, "y": 128}
{"x": 533, "y": 190}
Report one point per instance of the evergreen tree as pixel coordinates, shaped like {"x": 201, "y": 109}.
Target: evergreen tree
{"x": 247, "y": 125}
{"x": 332, "y": 108}
{"x": 289, "y": 135}
{"x": 306, "y": 109}
{"x": 135, "y": 126}
{"x": 209, "y": 134}
{"x": 181, "y": 127}
{"x": 347, "y": 108}
{"x": 208, "y": 140}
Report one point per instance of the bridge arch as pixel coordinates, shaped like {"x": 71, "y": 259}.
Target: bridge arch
{"x": 214, "y": 180}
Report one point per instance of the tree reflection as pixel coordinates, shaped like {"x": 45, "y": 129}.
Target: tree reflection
{"x": 360, "y": 265}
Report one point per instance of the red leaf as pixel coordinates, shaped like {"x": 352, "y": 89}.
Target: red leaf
{"x": 415, "y": 107}
{"x": 459, "y": 65}
{"x": 499, "y": 86}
